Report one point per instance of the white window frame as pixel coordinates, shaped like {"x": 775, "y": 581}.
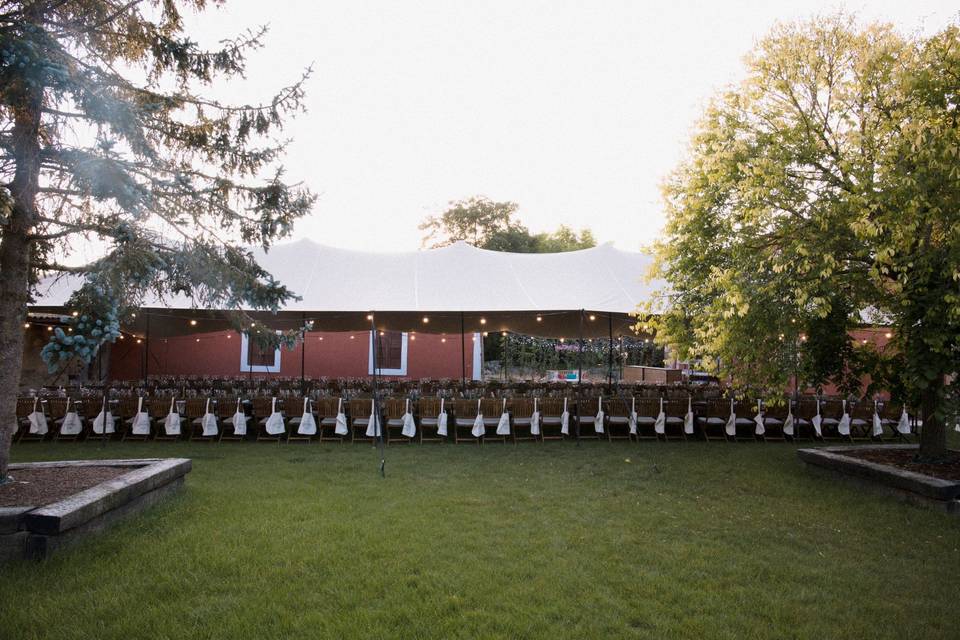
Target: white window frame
{"x": 402, "y": 371}
{"x": 245, "y": 358}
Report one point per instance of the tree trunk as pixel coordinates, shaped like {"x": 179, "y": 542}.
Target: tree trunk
{"x": 15, "y": 250}
{"x": 933, "y": 436}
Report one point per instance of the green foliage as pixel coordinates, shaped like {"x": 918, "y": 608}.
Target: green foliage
{"x": 123, "y": 149}
{"x": 824, "y": 188}
{"x": 491, "y": 225}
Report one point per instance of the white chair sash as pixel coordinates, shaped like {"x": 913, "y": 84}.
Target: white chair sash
{"x": 788, "y": 421}
{"x": 877, "y": 431}
{"x": 843, "y": 427}
{"x": 308, "y": 424}
{"x": 817, "y": 421}
{"x": 341, "y": 428}
{"x": 274, "y": 425}
{"x": 731, "y": 426}
{"x": 565, "y": 419}
{"x": 688, "y": 419}
{"x": 598, "y": 419}
{"x": 72, "y": 425}
{"x": 503, "y": 425}
{"x": 239, "y": 421}
{"x": 478, "y": 429}
{"x": 171, "y": 424}
{"x": 140, "y": 424}
{"x": 660, "y": 426}
{"x": 758, "y": 420}
{"x": 409, "y": 426}
{"x": 374, "y": 429}
{"x": 442, "y": 421}
{"x": 104, "y": 421}
{"x": 903, "y": 426}
{"x": 535, "y": 420}
{"x": 632, "y": 420}
{"x": 38, "y": 421}
{"x": 209, "y": 421}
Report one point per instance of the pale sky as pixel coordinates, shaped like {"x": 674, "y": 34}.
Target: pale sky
{"x": 574, "y": 110}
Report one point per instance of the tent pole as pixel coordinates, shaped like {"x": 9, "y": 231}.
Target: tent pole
{"x": 579, "y": 374}
{"x": 610, "y": 352}
{"x": 378, "y": 434}
{"x": 463, "y": 357}
{"x": 146, "y": 353}
{"x": 303, "y": 349}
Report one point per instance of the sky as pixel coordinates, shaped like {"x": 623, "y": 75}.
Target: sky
{"x": 575, "y": 110}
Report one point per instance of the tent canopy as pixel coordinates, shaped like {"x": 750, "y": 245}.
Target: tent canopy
{"x": 454, "y": 287}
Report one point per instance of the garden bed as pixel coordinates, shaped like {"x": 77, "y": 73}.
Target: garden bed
{"x": 891, "y": 467}
{"x": 52, "y": 504}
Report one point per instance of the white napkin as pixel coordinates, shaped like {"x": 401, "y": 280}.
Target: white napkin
{"x": 171, "y": 424}
{"x": 409, "y": 426}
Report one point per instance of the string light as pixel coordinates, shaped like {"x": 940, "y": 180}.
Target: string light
{"x": 592, "y": 317}
{"x": 320, "y": 338}
{"x": 26, "y": 325}
{"x": 381, "y": 333}
{"x": 411, "y": 337}
{"x": 352, "y": 336}
{"x": 888, "y": 335}
{"x": 483, "y": 321}
{"x": 503, "y": 333}
{"x": 539, "y": 318}
{"x": 75, "y": 314}
{"x": 485, "y": 334}
{"x": 443, "y": 339}
{"x": 193, "y": 323}
{"x": 139, "y": 340}
{"x": 133, "y": 315}
{"x": 198, "y": 339}
{"x": 562, "y": 340}
{"x": 369, "y": 316}
{"x": 49, "y": 328}
{"x": 121, "y": 336}
{"x": 426, "y": 319}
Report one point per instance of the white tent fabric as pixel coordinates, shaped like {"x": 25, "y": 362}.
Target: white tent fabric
{"x": 450, "y": 280}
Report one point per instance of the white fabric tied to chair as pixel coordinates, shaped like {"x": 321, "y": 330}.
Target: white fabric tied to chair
{"x": 409, "y": 426}
{"x": 72, "y": 426}
{"x": 374, "y": 429}
{"x": 817, "y": 420}
{"x": 171, "y": 424}
{"x": 903, "y": 426}
{"x": 503, "y": 426}
{"x": 632, "y": 420}
{"x": 535, "y": 420}
{"x": 478, "y": 429}
{"x": 660, "y": 425}
{"x": 140, "y": 423}
{"x": 731, "y": 426}
{"x": 843, "y": 427}
{"x": 308, "y": 424}
{"x": 688, "y": 418}
{"x": 758, "y": 420}
{"x": 341, "y": 428}
{"x": 788, "y": 421}
{"x": 103, "y": 421}
{"x": 38, "y": 421}
{"x": 877, "y": 431}
{"x": 274, "y": 424}
{"x": 239, "y": 421}
{"x": 442, "y": 421}
{"x": 598, "y": 419}
{"x": 565, "y": 419}
{"x": 209, "y": 421}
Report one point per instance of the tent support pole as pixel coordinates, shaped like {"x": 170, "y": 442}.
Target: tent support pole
{"x": 463, "y": 357}
{"x": 579, "y": 374}
{"x": 378, "y": 434}
{"x": 303, "y": 349}
{"x": 146, "y": 353}
{"x": 610, "y": 352}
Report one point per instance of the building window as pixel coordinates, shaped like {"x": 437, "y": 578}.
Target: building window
{"x": 256, "y": 359}
{"x": 391, "y": 355}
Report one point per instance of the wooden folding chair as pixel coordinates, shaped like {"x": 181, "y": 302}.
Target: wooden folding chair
{"x": 618, "y": 419}
{"x": 745, "y": 426}
{"x": 675, "y": 411}
{"x": 464, "y": 415}
{"x": 262, "y": 409}
{"x": 393, "y": 412}
{"x": 492, "y": 409}
{"x": 56, "y": 412}
{"x": 88, "y": 409}
{"x": 360, "y": 410}
{"x": 428, "y": 413}
{"x": 326, "y": 409}
{"x": 713, "y": 422}
{"x": 647, "y": 411}
{"x": 24, "y": 409}
{"x": 226, "y": 407}
{"x": 774, "y": 417}
{"x": 890, "y": 414}
{"x": 831, "y": 412}
{"x": 294, "y": 415}
{"x": 521, "y": 411}
{"x": 159, "y": 408}
{"x": 861, "y": 419}
{"x": 585, "y": 417}
{"x": 551, "y": 412}
{"x": 124, "y": 413}
{"x": 804, "y": 411}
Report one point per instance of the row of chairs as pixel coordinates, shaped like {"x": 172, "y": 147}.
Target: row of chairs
{"x": 629, "y": 418}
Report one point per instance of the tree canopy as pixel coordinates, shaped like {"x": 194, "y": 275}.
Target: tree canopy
{"x": 821, "y": 193}
{"x": 108, "y": 139}
{"x": 493, "y": 225}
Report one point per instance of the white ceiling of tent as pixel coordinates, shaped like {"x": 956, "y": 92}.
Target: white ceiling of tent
{"x": 456, "y": 278}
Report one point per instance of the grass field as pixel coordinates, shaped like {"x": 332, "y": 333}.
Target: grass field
{"x": 688, "y": 540}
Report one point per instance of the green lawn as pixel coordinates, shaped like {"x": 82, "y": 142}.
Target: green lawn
{"x": 689, "y": 540}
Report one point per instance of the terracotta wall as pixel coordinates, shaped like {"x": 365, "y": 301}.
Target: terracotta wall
{"x": 327, "y": 355}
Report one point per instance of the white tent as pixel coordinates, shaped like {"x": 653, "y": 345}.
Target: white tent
{"x": 454, "y": 288}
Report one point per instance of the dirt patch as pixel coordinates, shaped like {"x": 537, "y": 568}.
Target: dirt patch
{"x": 903, "y": 459}
{"x": 39, "y": 487}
